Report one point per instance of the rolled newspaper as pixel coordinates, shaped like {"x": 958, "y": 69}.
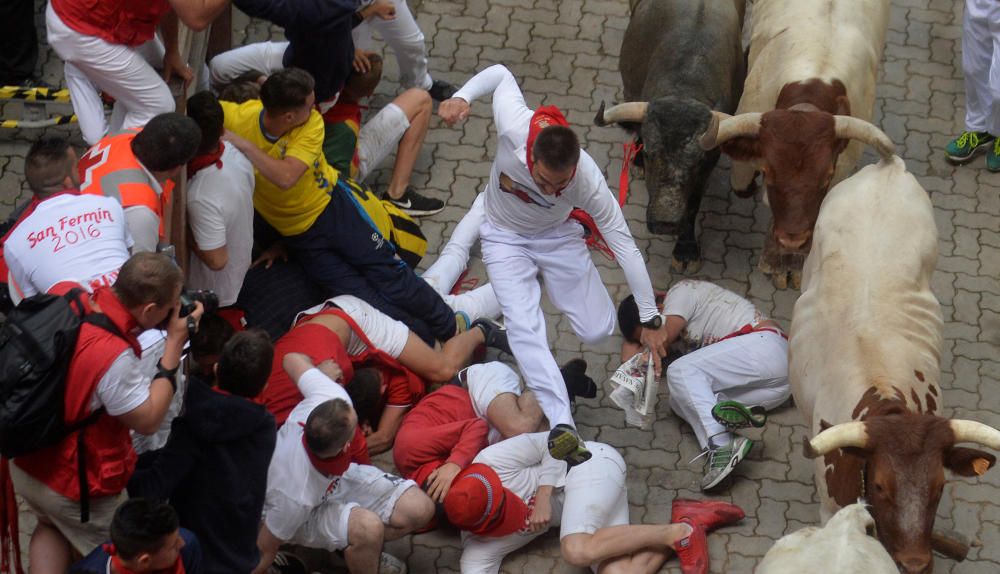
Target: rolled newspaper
{"x": 634, "y": 387}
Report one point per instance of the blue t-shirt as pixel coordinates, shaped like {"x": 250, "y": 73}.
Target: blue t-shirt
{"x": 97, "y": 561}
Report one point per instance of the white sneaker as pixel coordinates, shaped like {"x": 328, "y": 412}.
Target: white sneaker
{"x": 722, "y": 461}
{"x": 389, "y": 564}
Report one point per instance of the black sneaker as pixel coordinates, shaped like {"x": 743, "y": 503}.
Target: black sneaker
{"x": 495, "y": 333}
{"x": 287, "y": 563}
{"x": 442, "y": 90}
{"x": 578, "y": 384}
{"x": 565, "y": 444}
{"x": 412, "y": 203}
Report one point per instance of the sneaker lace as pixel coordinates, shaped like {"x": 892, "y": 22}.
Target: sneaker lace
{"x": 996, "y": 146}
{"x": 967, "y": 137}
{"x": 720, "y": 457}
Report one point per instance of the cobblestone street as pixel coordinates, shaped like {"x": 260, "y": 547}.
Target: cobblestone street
{"x": 566, "y": 53}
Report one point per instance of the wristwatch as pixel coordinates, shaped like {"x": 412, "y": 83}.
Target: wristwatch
{"x": 654, "y": 323}
{"x": 169, "y": 374}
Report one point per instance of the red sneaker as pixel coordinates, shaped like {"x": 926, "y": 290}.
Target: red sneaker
{"x": 708, "y": 514}
{"x": 693, "y": 550}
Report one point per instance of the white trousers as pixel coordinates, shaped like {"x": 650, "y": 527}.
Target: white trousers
{"x": 264, "y": 57}
{"x": 453, "y": 260}
{"x": 92, "y": 65}
{"x": 981, "y": 65}
{"x": 560, "y": 256}
{"x": 406, "y": 40}
{"x": 751, "y": 369}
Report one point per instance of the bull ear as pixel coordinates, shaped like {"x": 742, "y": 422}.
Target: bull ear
{"x": 968, "y": 461}
{"x": 742, "y": 148}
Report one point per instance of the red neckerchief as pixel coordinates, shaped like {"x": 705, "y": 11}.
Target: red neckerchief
{"x": 200, "y": 162}
{"x": 331, "y": 467}
{"x": 544, "y": 117}
{"x": 116, "y": 563}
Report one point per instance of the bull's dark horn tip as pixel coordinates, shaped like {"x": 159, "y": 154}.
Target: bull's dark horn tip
{"x": 807, "y": 449}
{"x": 599, "y": 118}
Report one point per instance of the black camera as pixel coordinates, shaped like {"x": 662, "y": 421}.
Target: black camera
{"x": 209, "y": 300}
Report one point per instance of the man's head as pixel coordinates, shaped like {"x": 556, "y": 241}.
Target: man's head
{"x": 206, "y": 344}
{"x": 239, "y": 92}
{"x": 245, "y": 364}
{"x": 149, "y": 286}
{"x": 146, "y": 535}
{"x": 205, "y": 110}
{"x": 288, "y": 98}
{"x": 330, "y": 427}
{"x": 166, "y": 144}
{"x": 361, "y": 85}
{"x": 50, "y": 166}
{"x": 628, "y": 320}
{"x": 555, "y": 152}
{"x": 366, "y": 390}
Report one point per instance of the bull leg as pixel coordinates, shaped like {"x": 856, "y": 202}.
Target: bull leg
{"x": 950, "y": 544}
{"x": 742, "y": 179}
{"x": 784, "y": 268}
{"x": 687, "y": 252}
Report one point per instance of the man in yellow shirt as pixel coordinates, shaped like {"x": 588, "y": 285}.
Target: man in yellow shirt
{"x": 305, "y": 201}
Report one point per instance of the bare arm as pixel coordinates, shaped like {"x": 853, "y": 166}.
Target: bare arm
{"x": 215, "y": 259}
{"x": 198, "y": 14}
{"x": 381, "y": 440}
{"x": 282, "y": 172}
{"x": 268, "y": 545}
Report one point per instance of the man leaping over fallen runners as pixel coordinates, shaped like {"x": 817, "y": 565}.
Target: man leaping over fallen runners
{"x": 538, "y": 177}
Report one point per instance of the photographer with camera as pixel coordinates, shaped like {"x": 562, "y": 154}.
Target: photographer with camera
{"x": 106, "y": 395}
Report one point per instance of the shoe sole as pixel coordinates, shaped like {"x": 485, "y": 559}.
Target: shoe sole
{"x": 421, "y": 212}
{"x": 567, "y": 448}
{"x": 733, "y": 462}
{"x": 734, "y": 417}
{"x": 959, "y": 160}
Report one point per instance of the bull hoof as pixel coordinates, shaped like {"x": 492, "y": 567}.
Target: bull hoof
{"x": 688, "y": 267}
{"x": 796, "y": 279}
{"x": 747, "y": 192}
{"x": 765, "y": 266}
{"x": 686, "y": 256}
{"x": 780, "y": 280}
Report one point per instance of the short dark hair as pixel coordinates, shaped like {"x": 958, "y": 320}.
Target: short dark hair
{"x": 212, "y": 335}
{"x": 169, "y": 140}
{"x": 365, "y": 390}
{"x": 557, "y": 147}
{"x": 141, "y": 526}
{"x": 148, "y": 277}
{"x": 286, "y": 90}
{"x": 245, "y": 364}
{"x": 47, "y": 165}
{"x": 628, "y": 318}
{"x": 205, "y": 110}
{"x": 362, "y": 84}
{"x": 329, "y": 427}
{"x": 239, "y": 92}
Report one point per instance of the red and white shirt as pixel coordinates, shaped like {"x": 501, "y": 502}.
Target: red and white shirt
{"x": 711, "y": 312}
{"x": 81, "y": 238}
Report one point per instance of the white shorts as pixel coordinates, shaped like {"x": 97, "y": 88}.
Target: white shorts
{"x": 379, "y": 136}
{"x": 387, "y": 334}
{"x": 595, "y": 493}
{"x": 363, "y": 486}
{"x": 487, "y": 381}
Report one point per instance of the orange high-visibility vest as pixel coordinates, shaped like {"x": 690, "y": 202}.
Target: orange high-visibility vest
{"x": 110, "y": 168}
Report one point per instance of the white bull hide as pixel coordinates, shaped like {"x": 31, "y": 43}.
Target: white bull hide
{"x": 843, "y": 546}
{"x": 798, "y": 40}
{"x": 867, "y": 325}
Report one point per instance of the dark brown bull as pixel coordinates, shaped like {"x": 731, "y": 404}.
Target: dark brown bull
{"x": 895, "y": 460}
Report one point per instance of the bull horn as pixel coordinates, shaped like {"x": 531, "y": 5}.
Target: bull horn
{"x": 848, "y": 127}
{"x": 725, "y": 127}
{"x": 838, "y": 436}
{"x": 972, "y": 431}
{"x": 626, "y": 112}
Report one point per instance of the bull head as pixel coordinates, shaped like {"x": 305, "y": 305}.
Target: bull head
{"x": 676, "y": 166}
{"x": 905, "y": 456}
{"x": 797, "y": 150}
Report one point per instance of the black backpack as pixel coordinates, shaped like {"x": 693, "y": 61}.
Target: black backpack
{"x": 37, "y": 342}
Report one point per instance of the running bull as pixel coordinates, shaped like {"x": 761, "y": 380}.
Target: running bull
{"x": 680, "y": 59}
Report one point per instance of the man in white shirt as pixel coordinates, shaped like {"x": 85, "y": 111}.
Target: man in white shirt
{"x": 538, "y": 177}
{"x": 514, "y": 491}
{"x": 735, "y": 357}
{"x": 220, "y": 206}
{"x": 316, "y": 497}
{"x": 68, "y": 237}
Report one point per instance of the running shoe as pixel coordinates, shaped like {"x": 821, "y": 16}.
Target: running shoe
{"x": 442, "y": 90}
{"x": 692, "y": 550}
{"x": 722, "y": 460}
{"x": 415, "y": 204}
{"x": 287, "y": 563}
{"x": 708, "y": 514}
{"x": 495, "y": 333}
{"x": 965, "y": 146}
{"x": 565, "y": 444}
{"x": 734, "y": 415}
{"x": 993, "y": 156}
{"x": 578, "y": 384}
{"x": 389, "y": 564}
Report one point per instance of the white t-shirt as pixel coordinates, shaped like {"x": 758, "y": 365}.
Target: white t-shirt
{"x": 514, "y": 203}
{"x": 220, "y": 211}
{"x": 79, "y": 238}
{"x": 711, "y": 312}
{"x": 294, "y": 486}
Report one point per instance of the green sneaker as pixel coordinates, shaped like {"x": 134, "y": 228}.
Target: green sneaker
{"x": 722, "y": 461}
{"x": 734, "y": 415}
{"x": 993, "y": 156}
{"x": 965, "y": 146}
{"x": 565, "y": 444}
